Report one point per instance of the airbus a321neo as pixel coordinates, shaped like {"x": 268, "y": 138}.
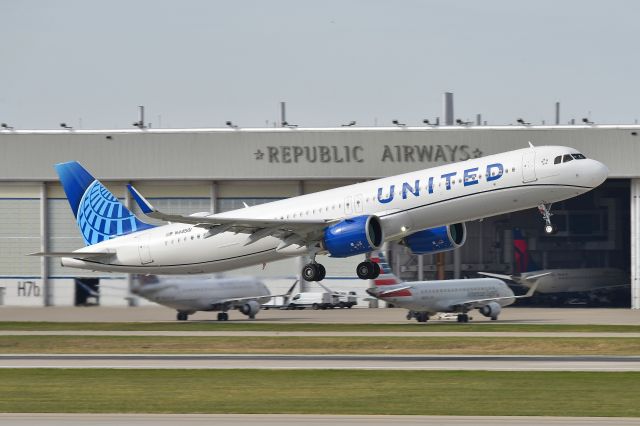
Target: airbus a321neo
{"x": 424, "y": 210}
{"x": 426, "y": 298}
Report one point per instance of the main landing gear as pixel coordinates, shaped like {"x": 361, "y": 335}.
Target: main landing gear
{"x": 419, "y": 316}
{"x": 463, "y": 318}
{"x": 368, "y": 270}
{"x": 545, "y": 211}
{"x": 182, "y": 316}
{"x": 314, "y": 271}
{"x": 223, "y": 316}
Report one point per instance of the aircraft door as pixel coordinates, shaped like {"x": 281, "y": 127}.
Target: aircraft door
{"x": 529, "y": 166}
{"x": 144, "y": 251}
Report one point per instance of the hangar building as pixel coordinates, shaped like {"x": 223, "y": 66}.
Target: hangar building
{"x": 192, "y": 170}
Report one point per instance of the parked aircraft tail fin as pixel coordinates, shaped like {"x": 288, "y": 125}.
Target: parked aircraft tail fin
{"x": 99, "y": 214}
{"x": 386, "y": 277}
{"x": 524, "y": 263}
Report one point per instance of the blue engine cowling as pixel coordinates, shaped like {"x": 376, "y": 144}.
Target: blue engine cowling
{"x": 437, "y": 240}
{"x": 356, "y": 235}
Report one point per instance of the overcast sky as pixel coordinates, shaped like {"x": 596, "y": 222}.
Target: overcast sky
{"x": 199, "y": 63}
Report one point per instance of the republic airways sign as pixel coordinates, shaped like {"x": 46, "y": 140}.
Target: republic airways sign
{"x": 296, "y": 154}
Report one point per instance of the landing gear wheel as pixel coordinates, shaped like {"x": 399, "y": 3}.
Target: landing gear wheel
{"x": 322, "y": 272}
{"x": 368, "y": 270}
{"x": 422, "y": 317}
{"x": 545, "y": 211}
{"x": 463, "y": 318}
{"x": 313, "y": 272}
{"x": 182, "y": 316}
{"x": 223, "y": 316}
{"x": 376, "y": 271}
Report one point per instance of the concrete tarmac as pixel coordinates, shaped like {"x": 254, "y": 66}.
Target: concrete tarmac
{"x": 356, "y": 315}
{"x": 316, "y": 333}
{"x": 296, "y": 419}
{"x": 357, "y": 362}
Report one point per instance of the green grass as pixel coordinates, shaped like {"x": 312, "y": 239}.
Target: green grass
{"x": 320, "y": 345}
{"x": 326, "y": 327}
{"x": 320, "y": 392}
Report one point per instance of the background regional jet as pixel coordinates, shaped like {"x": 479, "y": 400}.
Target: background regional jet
{"x": 594, "y": 281}
{"x": 426, "y": 298}
{"x": 188, "y": 295}
{"x": 424, "y": 210}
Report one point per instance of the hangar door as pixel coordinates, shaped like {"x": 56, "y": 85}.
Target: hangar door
{"x": 529, "y": 166}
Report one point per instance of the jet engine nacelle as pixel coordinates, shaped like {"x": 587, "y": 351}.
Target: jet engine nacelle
{"x": 491, "y": 309}
{"x": 356, "y": 235}
{"x": 436, "y": 240}
{"x": 250, "y": 308}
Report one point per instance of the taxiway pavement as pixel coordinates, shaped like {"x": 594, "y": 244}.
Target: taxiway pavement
{"x": 47, "y": 419}
{"x": 356, "y": 315}
{"x": 358, "y": 362}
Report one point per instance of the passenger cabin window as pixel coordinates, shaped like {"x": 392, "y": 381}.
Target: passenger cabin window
{"x": 578, "y": 156}
{"x": 567, "y": 158}
{"x": 558, "y": 159}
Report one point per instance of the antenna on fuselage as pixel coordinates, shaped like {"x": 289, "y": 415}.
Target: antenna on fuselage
{"x": 531, "y": 145}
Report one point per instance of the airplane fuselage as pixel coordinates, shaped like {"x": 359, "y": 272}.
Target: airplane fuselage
{"x": 405, "y": 204}
{"x": 206, "y": 294}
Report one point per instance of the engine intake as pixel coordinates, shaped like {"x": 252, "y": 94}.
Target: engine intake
{"x": 356, "y": 235}
{"x": 250, "y": 308}
{"x": 491, "y": 309}
{"x": 437, "y": 240}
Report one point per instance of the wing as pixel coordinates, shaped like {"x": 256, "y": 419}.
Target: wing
{"x": 240, "y": 300}
{"x": 291, "y": 231}
{"x": 519, "y": 279}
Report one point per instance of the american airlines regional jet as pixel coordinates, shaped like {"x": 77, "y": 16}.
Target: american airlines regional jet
{"x": 424, "y": 210}
{"x": 426, "y": 298}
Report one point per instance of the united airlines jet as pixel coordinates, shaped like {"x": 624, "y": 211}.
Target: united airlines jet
{"x": 424, "y": 210}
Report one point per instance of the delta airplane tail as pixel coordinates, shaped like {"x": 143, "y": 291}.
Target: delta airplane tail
{"x": 524, "y": 263}
{"x": 99, "y": 214}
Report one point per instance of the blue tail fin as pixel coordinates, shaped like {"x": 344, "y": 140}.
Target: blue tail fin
{"x": 99, "y": 215}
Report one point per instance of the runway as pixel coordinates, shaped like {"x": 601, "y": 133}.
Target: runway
{"x": 358, "y": 362}
{"x": 296, "y": 419}
{"x": 355, "y": 316}
{"x": 317, "y": 334}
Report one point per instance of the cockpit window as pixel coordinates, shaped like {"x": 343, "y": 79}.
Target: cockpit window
{"x": 578, "y": 156}
{"x": 567, "y": 158}
{"x": 557, "y": 160}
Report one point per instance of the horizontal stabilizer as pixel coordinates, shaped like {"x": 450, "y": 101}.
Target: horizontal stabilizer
{"x": 74, "y": 254}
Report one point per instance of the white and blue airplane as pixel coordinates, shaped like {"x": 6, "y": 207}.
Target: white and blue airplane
{"x": 424, "y": 210}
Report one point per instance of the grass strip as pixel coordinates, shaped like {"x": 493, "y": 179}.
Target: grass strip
{"x": 475, "y": 393}
{"x": 320, "y": 345}
{"x": 327, "y": 327}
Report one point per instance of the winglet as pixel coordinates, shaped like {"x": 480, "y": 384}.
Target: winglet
{"x": 142, "y": 202}
{"x": 532, "y": 289}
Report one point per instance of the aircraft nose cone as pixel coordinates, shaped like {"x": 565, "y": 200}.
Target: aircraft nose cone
{"x": 599, "y": 173}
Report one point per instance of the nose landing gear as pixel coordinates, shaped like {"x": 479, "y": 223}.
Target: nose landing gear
{"x": 545, "y": 211}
